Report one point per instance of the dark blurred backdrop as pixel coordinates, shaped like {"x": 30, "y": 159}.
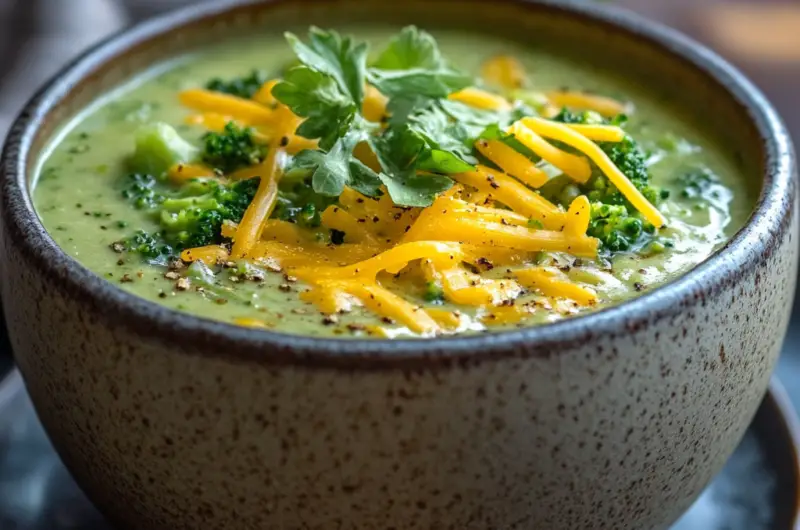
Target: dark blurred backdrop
{"x": 761, "y": 36}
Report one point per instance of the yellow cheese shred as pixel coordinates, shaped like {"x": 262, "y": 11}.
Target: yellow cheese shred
{"x": 264, "y": 94}
{"x": 210, "y": 254}
{"x": 392, "y": 260}
{"x": 475, "y": 97}
{"x": 598, "y": 133}
{"x": 503, "y": 71}
{"x": 514, "y": 195}
{"x": 459, "y": 228}
{"x": 244, "y": 110}
{"x": 466, "y": 288}
{"x": 447, "y": 319}
{"x": 259, "y": 210}
{"x": 336, "y": 218}
{"x": 578, "y": 217}
{"x": 563, "y": 134}
{"x": 583, "y": 100}
{"x": 374, "y": 106}
{"x": 252, "y": 323}
{"x": 555, "y": 284}
{"x": 512, "y": 162}
{"x": 181, "y": 173}
{"x": 574, "y": 166}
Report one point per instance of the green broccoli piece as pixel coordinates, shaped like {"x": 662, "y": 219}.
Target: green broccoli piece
{"x": 434, "y": 293}
{"x": 298, "y": 203}
{"x": 587, "y": 116}
{"x": 243, "y": 87}
{"x": 192, "y": 217}
{"x": 140, "y": 191}
{"x": 147, "y": 245}
{"x": 197, "y": 220}
{"x": 231, "y": 149}
{"x": 697, "y": 183}
{"x": 159, "y": 147}
{"x": 616, "y": 228}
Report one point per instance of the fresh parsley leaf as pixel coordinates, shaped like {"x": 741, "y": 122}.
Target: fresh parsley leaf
{"x": 411, "y": 48}
{"x": 339, "y": 57}
{"x": 413, "y": 64}
{"x": 316, "y": 96}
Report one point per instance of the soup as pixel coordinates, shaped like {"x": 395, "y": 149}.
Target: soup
{"x": 414, "y": 188}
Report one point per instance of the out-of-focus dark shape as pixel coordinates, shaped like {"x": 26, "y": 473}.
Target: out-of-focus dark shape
{"x": 37, "y": 37}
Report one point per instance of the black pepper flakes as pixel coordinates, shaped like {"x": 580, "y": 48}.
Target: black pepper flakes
{"x": 638, "y": 286}
{"x": 329, "y": 320}
{"x": 126, "y": 278}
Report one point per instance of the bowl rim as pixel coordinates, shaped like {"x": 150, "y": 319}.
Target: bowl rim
{"x": 197, "y": 335}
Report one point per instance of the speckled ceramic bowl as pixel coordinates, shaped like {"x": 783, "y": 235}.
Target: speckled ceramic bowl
{"x": 613, "y": 420}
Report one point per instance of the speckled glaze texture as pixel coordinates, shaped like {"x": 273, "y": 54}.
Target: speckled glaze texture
{"x": 610, "y": 421}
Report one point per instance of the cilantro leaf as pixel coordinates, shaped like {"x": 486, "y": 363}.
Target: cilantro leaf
{"x": 339, "y": 57}
{"x": 413, "y": 64}
{"x": 317, "y": 97}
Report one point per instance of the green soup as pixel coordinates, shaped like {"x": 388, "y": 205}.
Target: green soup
{"x": 80, "y": 194}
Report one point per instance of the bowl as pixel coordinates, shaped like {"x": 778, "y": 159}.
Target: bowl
{"x": 613, "y": 420}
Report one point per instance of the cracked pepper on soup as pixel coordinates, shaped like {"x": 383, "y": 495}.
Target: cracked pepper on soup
{"x": 386, "y": 185}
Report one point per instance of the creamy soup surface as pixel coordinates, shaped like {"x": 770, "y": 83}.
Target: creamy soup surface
{"x": 116, "y": 172}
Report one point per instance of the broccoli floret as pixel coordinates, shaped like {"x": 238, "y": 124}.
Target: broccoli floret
{"x": 197, "y": 220}
{"x": 159, "y": 147}
{"x": 616, "y": 228}
{"x": 231, "y": 149}
{"x": 587, "y": 116}
{"x": 243, "y": 87}
{"x": 696, "y": 183}
{"x": 140, "y": 191}
{"x": 188, "y": 219}
{"x": 147, "y": 245}
{"x": 298, "y": 203}
{"x": 434, "y": 293}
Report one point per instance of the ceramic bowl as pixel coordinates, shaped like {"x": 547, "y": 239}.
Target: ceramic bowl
{"x": 612, "y": 420}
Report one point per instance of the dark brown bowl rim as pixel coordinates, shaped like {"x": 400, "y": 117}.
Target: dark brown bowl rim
{"x": 195, "y": 335}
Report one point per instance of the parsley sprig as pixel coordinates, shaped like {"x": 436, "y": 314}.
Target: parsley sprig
{"x": 426, "y": 132}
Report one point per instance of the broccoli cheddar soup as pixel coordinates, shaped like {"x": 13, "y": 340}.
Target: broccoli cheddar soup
{"x": 386, "y": 185}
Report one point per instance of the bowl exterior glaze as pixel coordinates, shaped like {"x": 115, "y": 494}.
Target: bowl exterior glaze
{"x": 616, "y": 420}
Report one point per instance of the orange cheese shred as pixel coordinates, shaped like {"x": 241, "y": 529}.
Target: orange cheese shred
{"x": 392, "y": 260}
{"x": 244, "y": 110}
{"x": 336, "y": 218}
{"x": 466, "y": 288}
{"x": 264, "y": 94}
{"x": 210, "y": 254}
{"x": 374, "y": 106}
{"x": 576, "y": 167}
{"x": 180, "y": 173}
{"x": 503, "y": 71}
{"x": 252, "y": 323}
{"x": 607, "y": 107}
{"x": 475, "y": 97}
{"x": 578, "y": 217}
{"x": 555, "y": 284}
{"x": 485, "y": 233}
{"x": 598, "y": 133}
{"x": 512, "y": 162}
{"x": 514, "y": 195}
{"x": 576, "y": 140}
{"x": 259, "y": 210}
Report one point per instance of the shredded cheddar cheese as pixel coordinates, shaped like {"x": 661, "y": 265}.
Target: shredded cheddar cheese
{"x": 512, "y": 162}
{"x": 243, "y": 110}
{"x": 582, "y": 100}
{"x": 555, "y": 284}
{"x": 566, "y": 135}
{"x": 180, "y": 173}
{"x": 574, "y": 166}
{"x": 475, "y": 97}
{"x": 503, "y": 71}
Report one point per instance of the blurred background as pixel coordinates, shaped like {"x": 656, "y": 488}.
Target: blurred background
{"x": 762, "y": 37}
